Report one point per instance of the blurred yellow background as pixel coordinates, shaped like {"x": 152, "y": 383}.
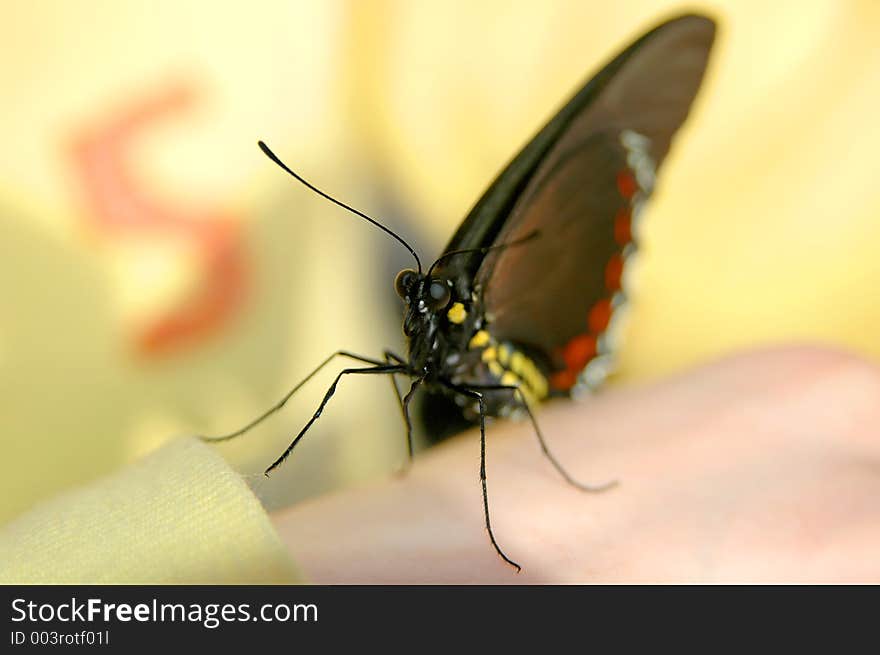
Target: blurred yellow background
{"x": 161, "y": 277}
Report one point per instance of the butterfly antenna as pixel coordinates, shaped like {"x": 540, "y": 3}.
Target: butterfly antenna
{"x": 498, "y": 246}
{"x": 271, "y": 155}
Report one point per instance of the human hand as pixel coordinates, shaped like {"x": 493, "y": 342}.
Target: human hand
{"x": 764, "y": 467}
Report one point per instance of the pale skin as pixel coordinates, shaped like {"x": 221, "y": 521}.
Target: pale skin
{"x": 764, "y": 467}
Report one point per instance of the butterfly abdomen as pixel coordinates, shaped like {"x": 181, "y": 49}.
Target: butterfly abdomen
{"x": 491, "y": 362}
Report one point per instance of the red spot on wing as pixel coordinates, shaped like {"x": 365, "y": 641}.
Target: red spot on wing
{"x": 563, "y": 380}
{"x": 579, "y": 351}
{"x": 599, "y": 316}
{"x": 581, "y": 348}
{"x": 613, "y": 272}
{"x": 627, "y": 184}
{"x": 622, "y": 226}
{"x": 121, "y": 206}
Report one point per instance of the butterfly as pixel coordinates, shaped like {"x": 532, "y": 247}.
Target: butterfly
{"x": 521, "y": 304}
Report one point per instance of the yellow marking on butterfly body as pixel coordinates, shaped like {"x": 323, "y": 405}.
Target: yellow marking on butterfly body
{"x": 480, "y": 339}
{"x": 518, "y": 362}
{"x": 529, "y": 398}
{"x": 510, "y": 366}
{"x": 457, "y": 313}
{"x": 514, "y": 369}
{"x": 529, "y": 373}
{"x": 509, "y": 379}
{"x": 496, "y": 369}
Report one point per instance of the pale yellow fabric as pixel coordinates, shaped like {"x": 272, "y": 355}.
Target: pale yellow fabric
{"x": 179, "y": 515}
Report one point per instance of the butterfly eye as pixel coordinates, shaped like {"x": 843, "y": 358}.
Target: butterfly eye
{"x": 404, "y": 282}
{"x": 439, "y": 294}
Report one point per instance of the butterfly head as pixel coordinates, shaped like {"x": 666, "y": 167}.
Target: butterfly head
{"x": 430, "y": 303}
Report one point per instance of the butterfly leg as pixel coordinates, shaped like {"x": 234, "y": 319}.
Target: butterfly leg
{"x": 390, "y": 358}
{"x": 380, "y": 369}
{"x": 409, "y": 436}
{"x": 517, "y": 392}
{"x": 476, "y": 395}
{"x": 277, "y": 406}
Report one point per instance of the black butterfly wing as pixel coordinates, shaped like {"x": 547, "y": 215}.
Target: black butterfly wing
{"x": 579, "y": 183}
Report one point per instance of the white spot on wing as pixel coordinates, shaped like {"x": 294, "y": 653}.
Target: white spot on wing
{"x": 597, "y": 371}
{"x": 639, "y": 159}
